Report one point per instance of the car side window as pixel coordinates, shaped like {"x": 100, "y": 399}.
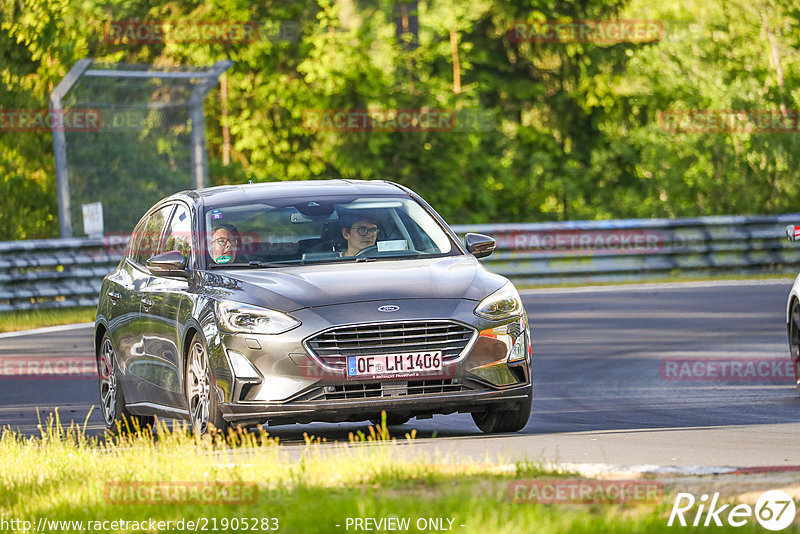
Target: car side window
{"x": 179, "y": 232}
{"x": 136, "y": 236}
{"x": 151, "y": 236}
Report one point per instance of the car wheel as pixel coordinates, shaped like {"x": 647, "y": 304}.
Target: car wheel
{"x": 392, "y": 419}
{"x": 794, "y": 340}
{"x": 112, "y": 400}
{"x": 493, "y": 420}
{"x": 201, "y": 395}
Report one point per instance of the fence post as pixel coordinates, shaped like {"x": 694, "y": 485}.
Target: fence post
{"x": 60, "y": 145}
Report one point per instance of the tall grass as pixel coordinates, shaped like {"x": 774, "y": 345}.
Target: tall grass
{"x": 64, "y": 474}
{"x": 27, "y": 319}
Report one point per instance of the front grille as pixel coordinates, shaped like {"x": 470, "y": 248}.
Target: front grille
{"x": 387, "y": 390}
{"x": 333, "y": 346}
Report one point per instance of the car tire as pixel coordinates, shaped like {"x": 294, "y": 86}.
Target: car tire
{"x": 794, "y": 339}
{"x": 118, "y": 420}
{"x": 200, "y": 390}
{"x": 495, "y": 421}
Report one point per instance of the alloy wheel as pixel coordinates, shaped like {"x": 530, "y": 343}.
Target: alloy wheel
{"x": 108, "y": 381}
{"x": 198, "y": 387}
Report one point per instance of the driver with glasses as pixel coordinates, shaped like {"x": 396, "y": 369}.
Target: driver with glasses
{"x": 359, "y": 235}
{"x": 225, "y": 243}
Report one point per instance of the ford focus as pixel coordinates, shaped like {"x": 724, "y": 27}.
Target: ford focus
{"x": 297, "y": 302}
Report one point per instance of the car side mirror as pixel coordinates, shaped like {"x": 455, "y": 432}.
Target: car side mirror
{"x": 171, "y": 263}
{"x": 793, "y": 232}
{"x": 479, "y": 245}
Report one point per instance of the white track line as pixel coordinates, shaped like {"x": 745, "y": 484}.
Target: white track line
{"x": 658, "y": 286}
{"x": 593, "y": 470}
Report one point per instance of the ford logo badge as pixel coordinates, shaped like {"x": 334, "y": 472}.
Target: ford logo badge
{"x": 390, "y": 308}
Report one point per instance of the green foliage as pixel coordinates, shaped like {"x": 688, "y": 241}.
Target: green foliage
{"x": 39, "y": 41}
{"x": 575, "y": 135}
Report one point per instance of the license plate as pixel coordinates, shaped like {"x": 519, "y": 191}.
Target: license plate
{"x": 395, "y": 365}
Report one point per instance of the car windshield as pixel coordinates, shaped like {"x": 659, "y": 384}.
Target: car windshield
{"x": 294, "y": 231}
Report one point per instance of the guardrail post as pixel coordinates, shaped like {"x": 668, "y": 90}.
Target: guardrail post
{"x": 60, "y": 145}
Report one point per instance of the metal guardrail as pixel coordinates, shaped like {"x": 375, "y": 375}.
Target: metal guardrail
{"x": 637, "y": 249}
{"x": 55, "y": 273}
{"x": 67, "y": 272}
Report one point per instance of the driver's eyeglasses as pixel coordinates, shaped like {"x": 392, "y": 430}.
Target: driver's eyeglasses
{"x": 223, "y": 241}
{"x": 365, "y": 231}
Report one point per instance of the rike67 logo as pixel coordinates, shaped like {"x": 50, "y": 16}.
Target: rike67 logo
{"x": 774, "y": 510}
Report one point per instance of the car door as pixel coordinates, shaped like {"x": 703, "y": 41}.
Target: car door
{"x": 162, "y": 301}
{"x": 134, "y": 330}
{"x": 122, "y": 306}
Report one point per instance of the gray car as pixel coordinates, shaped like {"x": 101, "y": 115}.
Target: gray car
{"x": 295, "y": 302}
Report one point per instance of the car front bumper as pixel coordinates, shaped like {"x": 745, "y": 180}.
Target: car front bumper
{"x": 368, "y": 408}
{"x": 294, "y": 388}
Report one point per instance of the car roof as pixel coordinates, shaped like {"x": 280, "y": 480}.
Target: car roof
{"x": 225, "y": 194}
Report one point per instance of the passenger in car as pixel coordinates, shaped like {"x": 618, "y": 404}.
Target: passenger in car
{"x": 359, "y": 234}
{"x": 225, "y": 243}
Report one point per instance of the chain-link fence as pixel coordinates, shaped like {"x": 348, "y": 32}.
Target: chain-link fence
{"x": 130, "y": 135}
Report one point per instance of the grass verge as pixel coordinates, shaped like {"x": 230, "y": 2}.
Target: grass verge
{"x": 26, "y": 319}
{"x": 65, "y": 476}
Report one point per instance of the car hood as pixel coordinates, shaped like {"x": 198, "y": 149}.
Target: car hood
{"x": 293, "y": 288}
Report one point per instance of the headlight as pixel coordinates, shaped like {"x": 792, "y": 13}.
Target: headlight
{"x": 512, "y": 335}
{"x": 501, "y": 304}
{"x": 248, "y": 319}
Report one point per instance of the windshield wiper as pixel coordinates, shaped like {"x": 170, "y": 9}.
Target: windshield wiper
{"x": 225, "y": 265}
{"x": 267, "y": 264}
{"x": 253, "y": 264}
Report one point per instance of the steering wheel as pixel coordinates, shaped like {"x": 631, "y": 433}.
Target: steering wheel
{"x": 366, "y": 250}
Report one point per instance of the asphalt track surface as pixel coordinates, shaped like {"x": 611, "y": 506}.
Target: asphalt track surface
{"x": 600, "y": 392}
